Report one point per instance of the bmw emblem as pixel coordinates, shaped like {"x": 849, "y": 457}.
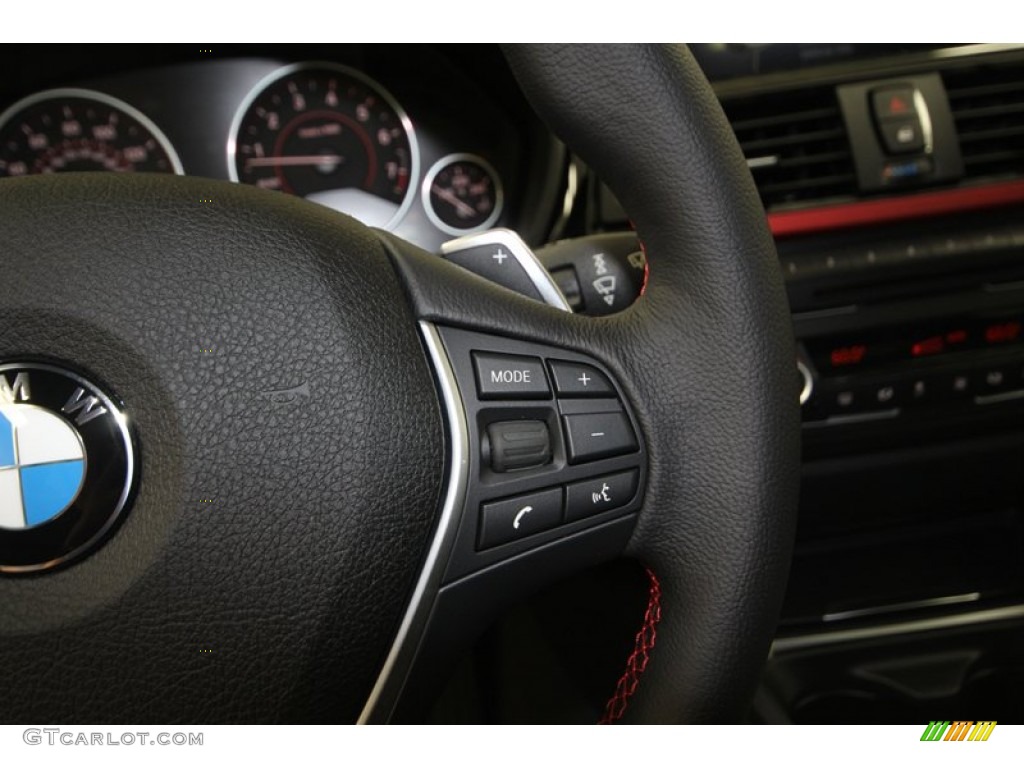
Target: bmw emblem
{"x": 67, "y": 465}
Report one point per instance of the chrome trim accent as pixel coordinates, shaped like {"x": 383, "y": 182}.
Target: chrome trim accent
{"x": 572, "y": 185}
{"x": 522, "y": 253}
{"x": 854, "y": 418}
{"x": 428, "y": 180}
{"x": 381, "y": 702}
{"x": 934, "y": 602}
{"x": 102, "y": 98}
{"x": 1002, "y": 397}
{"x": 808, "y": 388}
{"x": 926, "y": 121}
{"x": 833, "y": 637}
{"x": 281, "y": 72}
{"x": 766, "y": 161}
{"x": 974, "y": 50}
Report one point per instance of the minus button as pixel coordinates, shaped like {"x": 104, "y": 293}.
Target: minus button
{"x": 593, "y": 436}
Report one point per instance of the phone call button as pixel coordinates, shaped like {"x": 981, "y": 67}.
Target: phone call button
{"x": 520, "y": 516}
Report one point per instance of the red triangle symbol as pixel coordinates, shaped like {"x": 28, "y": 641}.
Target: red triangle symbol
{"x": 897, "y": 105}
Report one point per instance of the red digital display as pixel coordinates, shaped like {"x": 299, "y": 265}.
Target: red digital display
{"x": 894, "y": 347}
{"x": 848, "y": 355}
{"x": 1002, "y": 332}
{"x": 933, "y": 345}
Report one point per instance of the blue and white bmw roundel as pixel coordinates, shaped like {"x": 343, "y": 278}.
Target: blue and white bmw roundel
{"x": 67, "y": 465}
{"x": 42, "y": 465}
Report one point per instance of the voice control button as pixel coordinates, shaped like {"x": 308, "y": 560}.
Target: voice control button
{"x": 601, "y": 494}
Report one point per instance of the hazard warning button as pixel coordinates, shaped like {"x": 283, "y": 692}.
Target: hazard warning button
{"x": 894, "y": 102}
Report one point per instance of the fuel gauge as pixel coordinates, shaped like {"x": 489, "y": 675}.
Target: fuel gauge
{"x": 462, "y": 193}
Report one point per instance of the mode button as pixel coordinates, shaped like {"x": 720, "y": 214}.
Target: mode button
{"x": 509, "y": 377}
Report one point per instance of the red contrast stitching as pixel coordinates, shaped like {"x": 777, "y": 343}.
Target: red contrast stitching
{"x": 637, "y": 662}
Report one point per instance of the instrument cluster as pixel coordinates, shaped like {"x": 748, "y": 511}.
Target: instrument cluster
{"x": 430, "y": 155}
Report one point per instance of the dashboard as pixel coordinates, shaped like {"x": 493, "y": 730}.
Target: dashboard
{"x": 893, "y": 180}
{"x": 429, "y": 142}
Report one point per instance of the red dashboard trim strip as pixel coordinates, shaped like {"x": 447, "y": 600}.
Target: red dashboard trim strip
{"x": 925, "y": 204}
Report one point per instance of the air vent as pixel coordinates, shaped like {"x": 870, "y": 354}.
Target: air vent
{"x": 988, "y": 108}
{"x": 796, "y": 146}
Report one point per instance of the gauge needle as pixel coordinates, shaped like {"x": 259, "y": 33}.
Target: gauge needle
{"x": 448, "y": 196}
{"x": 259, "y": 162}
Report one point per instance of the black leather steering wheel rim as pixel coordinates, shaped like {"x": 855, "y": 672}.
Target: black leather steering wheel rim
{"x": 717, "y": 533}
{"x": 297, "y": 579}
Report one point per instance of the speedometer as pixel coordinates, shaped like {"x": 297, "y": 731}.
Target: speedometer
{"x": 72, "y": 129}
{"x": 331, "y": 135}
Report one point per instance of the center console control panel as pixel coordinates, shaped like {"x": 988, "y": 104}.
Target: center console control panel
{"x": 933, "y": 367}
{"x": 899, "y": 325}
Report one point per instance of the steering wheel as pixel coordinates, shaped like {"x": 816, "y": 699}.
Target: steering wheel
{"x": 298, "y": 395}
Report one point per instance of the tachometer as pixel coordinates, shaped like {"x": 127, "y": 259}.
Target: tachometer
{"x": 330, "y": 134}
{"x": 72, "y": 129}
